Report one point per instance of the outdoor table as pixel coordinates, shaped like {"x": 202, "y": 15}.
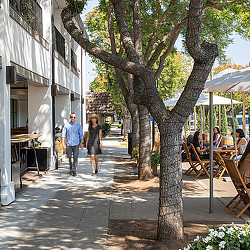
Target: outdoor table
{"x": 17, "y": 139}
{"x": 226, "y": 150}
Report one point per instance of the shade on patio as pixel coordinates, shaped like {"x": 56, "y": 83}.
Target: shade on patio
{"x": 203, "y": 100}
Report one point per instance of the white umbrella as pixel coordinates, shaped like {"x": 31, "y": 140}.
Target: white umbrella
{"x": 237, "y": 81}
{"x": 219, "y": 77}
{"x": 203, "y": 100}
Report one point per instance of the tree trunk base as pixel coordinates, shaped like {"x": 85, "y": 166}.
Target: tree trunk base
{"x": 170, "y": 228}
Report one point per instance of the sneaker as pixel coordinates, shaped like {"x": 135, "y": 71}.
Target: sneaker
{"x": 96, "y": 171}
{"x": 74, "y": 173}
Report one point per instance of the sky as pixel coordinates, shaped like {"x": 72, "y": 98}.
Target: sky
{"x": 238, "y": 51}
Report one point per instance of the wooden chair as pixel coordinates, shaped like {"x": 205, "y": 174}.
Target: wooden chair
{"x": 240, "y": 186}
{"x": 204, "y": 164}
{"x": 193, "y": 164}
{"x": 222, "y": 167}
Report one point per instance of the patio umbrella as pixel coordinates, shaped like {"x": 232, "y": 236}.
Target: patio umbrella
{"x": 224, "y": 74}
{"x": 238, "y": 81}
{"x": 203, "y": 100}
{"x": 232, "y": 82}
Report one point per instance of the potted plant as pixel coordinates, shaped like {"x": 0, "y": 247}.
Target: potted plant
{"x": 155, "y": 161}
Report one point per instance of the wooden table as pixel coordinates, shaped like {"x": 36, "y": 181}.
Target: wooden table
{"x": 24, "y": 138}
{"x": 221, "y": 150}
{"x": 17, "y": 139}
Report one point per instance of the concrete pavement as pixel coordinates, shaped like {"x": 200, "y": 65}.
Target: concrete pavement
{"x": 64, "y": 212}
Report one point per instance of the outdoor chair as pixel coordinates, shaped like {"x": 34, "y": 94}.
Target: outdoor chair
{"x": 240, "y": 186}
{"x": 193, "y": 164}
{"x": 222, "y": 167}
{"x": 204, "y": 163}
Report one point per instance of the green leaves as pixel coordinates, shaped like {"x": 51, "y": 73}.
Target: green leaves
{"x": 76, "y": 6}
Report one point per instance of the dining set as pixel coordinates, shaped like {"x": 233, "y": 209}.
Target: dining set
{"x": 223, "y": 162}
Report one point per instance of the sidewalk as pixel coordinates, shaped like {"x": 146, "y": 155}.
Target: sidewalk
{"x": 64, "y": 212}
{"x": 61, "y": 211}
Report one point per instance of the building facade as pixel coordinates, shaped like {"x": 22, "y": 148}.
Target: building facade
{"x": 42, "y": 77}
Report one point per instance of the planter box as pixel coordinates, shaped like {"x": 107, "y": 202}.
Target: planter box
{"x": 43, "y": 158}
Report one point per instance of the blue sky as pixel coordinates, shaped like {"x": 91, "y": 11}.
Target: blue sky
{"x": 238, "y": 52}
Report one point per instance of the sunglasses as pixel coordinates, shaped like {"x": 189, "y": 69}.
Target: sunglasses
{"x": 74, "y": 117}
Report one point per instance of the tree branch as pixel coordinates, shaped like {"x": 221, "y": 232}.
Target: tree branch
{"x": 151, "y": 42}
{"x": 166, "y": 39}
{"x": 137, "y": 29}
{"x": 204, "y": 56}
{"x": 165, "y": 55}
{"x": 124, "y": 31}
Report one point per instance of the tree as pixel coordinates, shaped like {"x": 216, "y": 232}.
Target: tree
{"x": 171, "y": 18}
{"x": 141, "y": 129}
{"x": 224, "y": 127}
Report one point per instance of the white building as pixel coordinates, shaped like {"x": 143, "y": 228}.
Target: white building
{"x": 27, "y": 99}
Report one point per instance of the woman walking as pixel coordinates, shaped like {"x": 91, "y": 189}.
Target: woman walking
{"x": 94, "y": 142}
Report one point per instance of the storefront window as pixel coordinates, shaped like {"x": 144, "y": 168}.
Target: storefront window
{"x": 13, "y": 113}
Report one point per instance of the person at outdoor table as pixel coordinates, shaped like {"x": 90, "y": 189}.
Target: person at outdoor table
{"x": 198, "y": 147}
{"x": 241, "y": 143}
{"x": 244, "y": 166}
{"x": 216, "y": 137}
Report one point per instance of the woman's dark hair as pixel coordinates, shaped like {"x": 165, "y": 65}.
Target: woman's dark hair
{"x": 196, "y": 135}
{"x": 247, "y": 151}
{"x": 217, "y": 130}
{"x": 90, "y": 123}
{"x": 241, "y": 132}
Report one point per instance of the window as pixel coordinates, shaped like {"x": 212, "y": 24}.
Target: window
{"x": 31, "y": 11}
{"x": 60, "y": 43}
{"x": 73, "y": 60}
{"x": 13, "y": 113}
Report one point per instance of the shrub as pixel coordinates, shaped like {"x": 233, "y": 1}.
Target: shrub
{"x": 135, "y": 153}
{"x": 225, "y": 237}
{"x": 155, "y": 158}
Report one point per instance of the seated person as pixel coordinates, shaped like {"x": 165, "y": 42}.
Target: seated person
{"x": 197, "y": 145}
{"x": 216, "y": 137}
{"x": 241, "y": 143}
{"x": 244, "y": 166}
{"x": 190, "y": 140}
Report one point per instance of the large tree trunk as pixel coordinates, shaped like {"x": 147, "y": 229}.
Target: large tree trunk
{"x": 170, "y": 216}
{"x": 126, "y": 125}
{"x": 144, "y": 169}
{"x": 135, "y": 129}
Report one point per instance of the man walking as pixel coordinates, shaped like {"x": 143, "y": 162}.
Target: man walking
{"x": 73, "y": 135}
